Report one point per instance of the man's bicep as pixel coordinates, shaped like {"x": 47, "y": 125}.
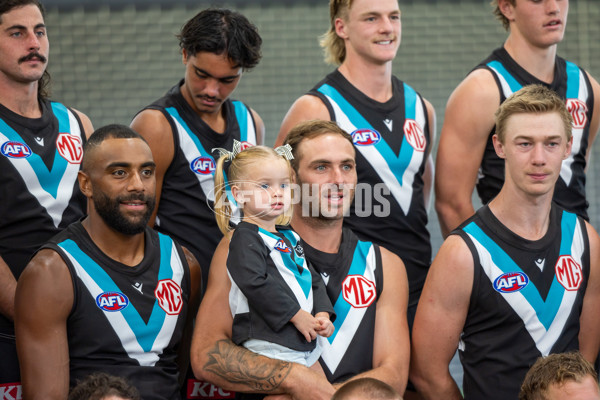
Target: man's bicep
{"x": 306, "y": 108}
{"x": 43, "y": 301}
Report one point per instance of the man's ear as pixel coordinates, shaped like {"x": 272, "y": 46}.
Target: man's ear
{"x": 507, "y": 9}
{"x": 499, "y": 147}
{"x": 568, "y": 149}
{"x": 340, "y": 28}
{"x": 85, "y": 184}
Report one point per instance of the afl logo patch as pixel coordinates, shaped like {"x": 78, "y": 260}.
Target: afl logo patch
{"x": 568, "y": 273}
{"x": 365, "y": 137}
{"x": 203, "y": 165}
{"x": 69, "y": 147}
{"x": 358, "y": 291}
{"x": 15, "y": 150}
{"x": 578, "y": 110}
{"x": 511, "y": 282}
{"x": 282, "y": 247}
{"x": 112, "y": 301}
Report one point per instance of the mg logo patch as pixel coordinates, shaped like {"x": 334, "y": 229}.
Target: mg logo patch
{"x": 69, "y": 147}
{"x": 244, "y": 145}
{"x": 169, "y": 296}
{"x": 112, "y": 301}
{"x": 511, "y": 282}
{"x": 568, "y": 273}
{"x": 365, "y": 137}
{"x": 414, "y": 135}
{"x": 15, "y": 150}
{"x": 203, "y": 165}
{"x": 358, "y": 291}
{"x": 578, "y": 110}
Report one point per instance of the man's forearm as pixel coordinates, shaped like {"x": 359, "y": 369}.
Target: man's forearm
{"x": 8, "y": 284}
{"x": 235, "y": 368}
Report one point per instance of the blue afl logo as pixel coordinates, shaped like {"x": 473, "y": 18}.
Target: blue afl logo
{"x": 15, "y": 150}
{"x": 511, "y": 282}
{"x": 365, "y": 137}
{"x": 203, "y": 165}
{"x": 112, "y": 301}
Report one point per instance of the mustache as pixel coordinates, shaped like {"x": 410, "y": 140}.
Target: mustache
{"x": 32, "y": 56}
{"x": 140, "y": 197}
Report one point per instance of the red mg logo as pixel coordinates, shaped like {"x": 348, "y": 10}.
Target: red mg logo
{"x": 244, "y": 145}
{"x": 168, "y": 294}
{"x": 578, "y": 110}
{"x": 568, "y": 273}
{"x": 414, "y": 135}
{"x": 69, "y": 147}
{"x": 358, "y": 291}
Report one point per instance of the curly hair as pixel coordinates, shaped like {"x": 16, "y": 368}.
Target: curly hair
{"x": 100, "y": 385}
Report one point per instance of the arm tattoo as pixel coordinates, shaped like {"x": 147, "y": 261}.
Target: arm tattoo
{"x": 238, "y": 365}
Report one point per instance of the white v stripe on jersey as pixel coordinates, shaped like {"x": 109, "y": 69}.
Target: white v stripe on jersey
{"x": 334, "y": 351}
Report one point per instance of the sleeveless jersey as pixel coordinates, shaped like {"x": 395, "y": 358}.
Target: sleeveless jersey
{"x": 270, "y": 282}
{"x": 185, "y": 210}
{"x": 392, "y": 141}
{"x": 39, "y": 195}
{"x": 126, "y": 321}
{"x": 526, "y": 300}
{"x": 354, "y": 280}
{"x": 573, "y": 85}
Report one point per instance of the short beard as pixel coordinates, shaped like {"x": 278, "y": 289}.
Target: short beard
{"x": 108, "y": 210}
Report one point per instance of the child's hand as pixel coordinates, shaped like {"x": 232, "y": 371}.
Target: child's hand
{"x": 306, "y": 324}
{"x": 326, "y": 327}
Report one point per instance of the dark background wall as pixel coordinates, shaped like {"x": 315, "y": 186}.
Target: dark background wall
{"x": 110, "y": 58}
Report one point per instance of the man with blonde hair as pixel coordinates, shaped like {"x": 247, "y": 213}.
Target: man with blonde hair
{"x": 561, "y": 376}
{"x": 466, "y": 158}
{"x": 392, "y": 128}
{"x": 520, "y": 278}
{"x": 366, "y": 389}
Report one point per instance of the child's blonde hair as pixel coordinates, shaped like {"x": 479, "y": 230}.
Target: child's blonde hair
{"x": 236, "y": 172}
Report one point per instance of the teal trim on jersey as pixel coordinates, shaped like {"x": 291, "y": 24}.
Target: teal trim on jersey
{"x": 166, "y": 248}
{"x": 49, "y": 179}
{"x": 146, "y": 334}
{"x": 175, "y": 114}
{"x": 396, "y": 164}
{"x": 241, "y": 114}
{"x": 512, "y": 82}
{"x": 410, "y": 102}
{"x": 567, "y": 226}
{"x": 545, "y": 310}
{"x": 294, "y": 264}
{"x": 573, "y": 80}
{"x": 358, "y": 267}
{"x": 62, "y": 115}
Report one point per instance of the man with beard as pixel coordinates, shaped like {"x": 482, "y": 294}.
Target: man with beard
{"x": 371, "y": 330}
{"x": 40, "y": 154}
{"x": 108, "y": 294}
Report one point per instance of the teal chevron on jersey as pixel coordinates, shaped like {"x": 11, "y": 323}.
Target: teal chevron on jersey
{"x": 510, "y": 80}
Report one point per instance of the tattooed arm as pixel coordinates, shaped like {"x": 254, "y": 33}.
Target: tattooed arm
{"x": 216, "y": 359}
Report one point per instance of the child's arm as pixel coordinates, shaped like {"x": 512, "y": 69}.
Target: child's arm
{"x": 326, "y": 327}
{"x": 306, "y": 324}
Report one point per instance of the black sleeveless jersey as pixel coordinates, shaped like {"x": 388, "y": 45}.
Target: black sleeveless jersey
{"x": 392, "y": 141}
{"x": 354, "y": 280}
{"x": 126, "y": 321}
{"x": 526, "y": 300}
{"x": 39, "y": 193}
{"x": 185, "y": 210}
{"x": 573, "y": 85}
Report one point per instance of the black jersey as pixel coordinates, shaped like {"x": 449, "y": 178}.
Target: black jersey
{"x": 270, "y": 283}
{"x": 39, "y": 195}
{"x": 573, "y": 85}
{"x": 526, "y": 300}
{"x": 126, "y": 321}
{"x": 392, "y": 141}
{"x": 185, "y": 210}
{"x": 354, "y": 279}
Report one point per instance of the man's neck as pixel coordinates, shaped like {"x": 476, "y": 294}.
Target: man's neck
{"x": 526, "y": 216}
{"x": 323, "y": 235}
{"x": 126, "y": 249}
{"x": 20, "y": 98}
{"x": 373, "y": 80}
{"x": 539, "y": 62}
